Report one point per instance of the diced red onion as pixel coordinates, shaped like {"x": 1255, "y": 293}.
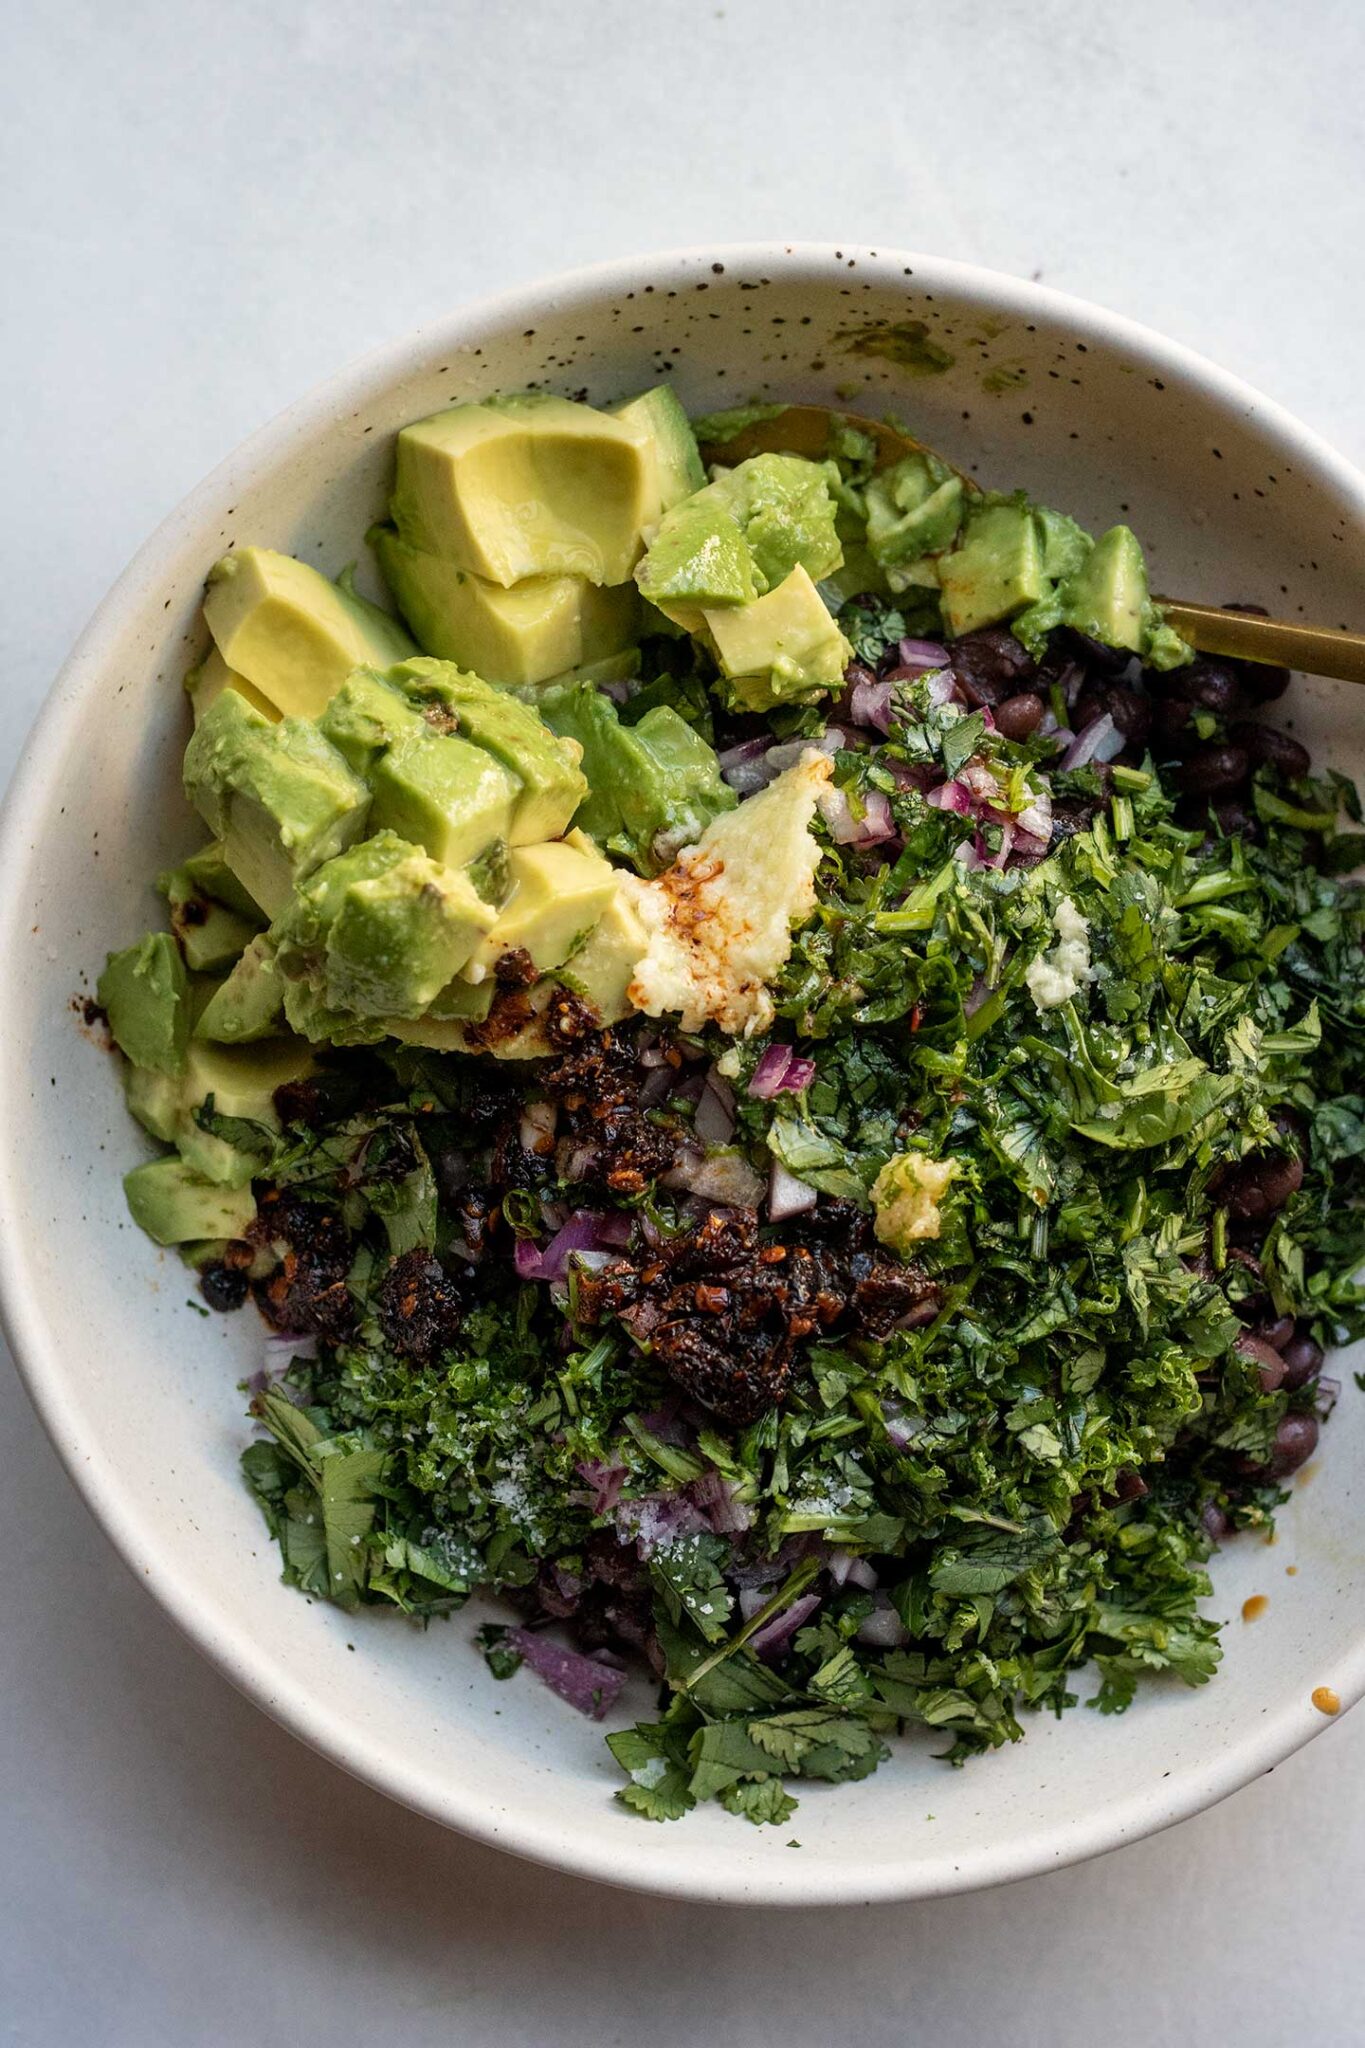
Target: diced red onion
{"x": 967, "y": 857}
{"x": 1001, "y": 855}
{"x": 869, "y": 703}
{"x": 940, "y": 687}
{"x": 1100, "y": 741}
{"x": 788, "y": 1196}
{"x": 951, "y": 796}
{"x": 725, "y": 1177}
{"x": 883, "y": 1629}
{"x": 587, "y": 1231}
{"x": 774, "y": 1635}
{"x": 751, "y": 1598}
{"x": 585, "y": 1682}
{"x": 655, "y": 1088}
{"x": 781, "y": 1070}
{"x": 715, "y": 1495}
{"x": 872, "y": 828}
{"x": 847, "y": 1569}
{"x": 714, "y": 1117}
{"x": 975, "y": 996}
{"x": 745, "y": 767}
{"x": 1036, "y": 817}
{"x": 606, "y": 1482}
{"x": 922, "y": 654}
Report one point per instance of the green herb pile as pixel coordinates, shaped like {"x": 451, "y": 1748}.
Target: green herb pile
{"x": 1034, "y": 1481}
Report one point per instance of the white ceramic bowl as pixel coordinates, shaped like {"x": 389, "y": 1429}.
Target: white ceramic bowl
{"x": 1234, "y": 500}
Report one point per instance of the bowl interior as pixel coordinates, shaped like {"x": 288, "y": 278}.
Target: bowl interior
{"x": 1020, "y": 386}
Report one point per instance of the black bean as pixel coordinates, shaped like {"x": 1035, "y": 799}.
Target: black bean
{"x": 1296, "y": 1439}
{"x": 1302, "y": 1359}
{"x": 1067, "y": 645}
{"x": 990, "y": 664}
{"x": 1171, "y": 716}
{"x": 1267, "y": 1361}
{"x": 1129, "y": 709}
{"x": 1269, "y": 748}
{"x": 1258, "y": 1188}
{"x": 1278, "y": 1333}
{"x": 1214, "y": 685}
{"x": 1262, "y": 682}
{"x": 1210, "y": 770}
{"x": 1019, "y": 716}
{"x": 223, "y": 1287}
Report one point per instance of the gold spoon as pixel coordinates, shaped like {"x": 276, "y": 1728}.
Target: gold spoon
{"x": 1317, "y": 650}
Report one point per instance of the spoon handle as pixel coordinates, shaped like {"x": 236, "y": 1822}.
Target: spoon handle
{"x": 1317, "y": 650}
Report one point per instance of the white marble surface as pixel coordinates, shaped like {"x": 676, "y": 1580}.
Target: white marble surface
{"x": 207, "y": 208}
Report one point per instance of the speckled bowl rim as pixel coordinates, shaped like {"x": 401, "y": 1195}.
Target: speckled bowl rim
{"x": 611, "y": 1857}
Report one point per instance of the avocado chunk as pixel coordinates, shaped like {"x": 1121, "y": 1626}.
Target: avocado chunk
{"x": 250, "y": 1003}
{"x": 377, "y": 932}
{"x": 452, "y": 701}
{"x": 445, "y": 795}
{"x": 290, "y": 632}
{"x": 784, "y": 507}
{"x": 205, "y": 684}
{"x": 144, "y": 992}
{"x": 603, "y": 968}
{"x": 211, "y": 936}
{"x": 209, "y": 872}
{"x": 154, "y": 1099}
{"x": 527, "y": 486}
{"x": 366, "y": 716}
{"x": 559, "y": 892}
{"x": 698, "y": 558}
{"x": 175, "y": 1205}
{"x": 913, "y": 509}
{"x": 996, "y": 568}
{"x": 240, "y": 1080}
{"x": 280, "y": 797}
{"x": 510, "y": 636}
{"x": 677, "y": 464}
{"x": 782, "y": 649}
{"x": 1107, "y": 596}
{"x": 613, "y": 668}
{"x": 653, "y": 787}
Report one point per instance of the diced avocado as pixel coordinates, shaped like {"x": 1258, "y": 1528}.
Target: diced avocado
{"x": 374, "y": 933}
{"x": 241, "y": 1079}
{"x": 613, "y": 668}
{"x": 698, "y": 558}
{"x": 913, "y": 509}
{"x": 468, "y": 1000}
{"x": 996, "y": 568}
{"x": 144, "y": 993}
{"x": 206, "y": 683}
{"x": 174, "y": 1205}
{"x": 211, "y": 936}
{"x": 784, "y": 507}
{"x": 530, "y": 486}
{"x": 1065, "y": 544}
{"x": 290, "y": 632}
{"x": 509, "y": 636}
{"x": 678, "y": 471}
{"x": 552, "y": 784}
{"x": 559, "y": 891}
{"x": 1107, "y": 596}
{"x": 653, "y": 787}
{"x": 602, "y": 969}
{"x": 154, "y": 1099}
{"x": 280, "y": 797}
{"x": 365, "y": 716}
{"x": 781, "y": 649}
{"x": 250, "y": 1003}
{"x": 211, "y": 875}
{"x": 444, "y": 794}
